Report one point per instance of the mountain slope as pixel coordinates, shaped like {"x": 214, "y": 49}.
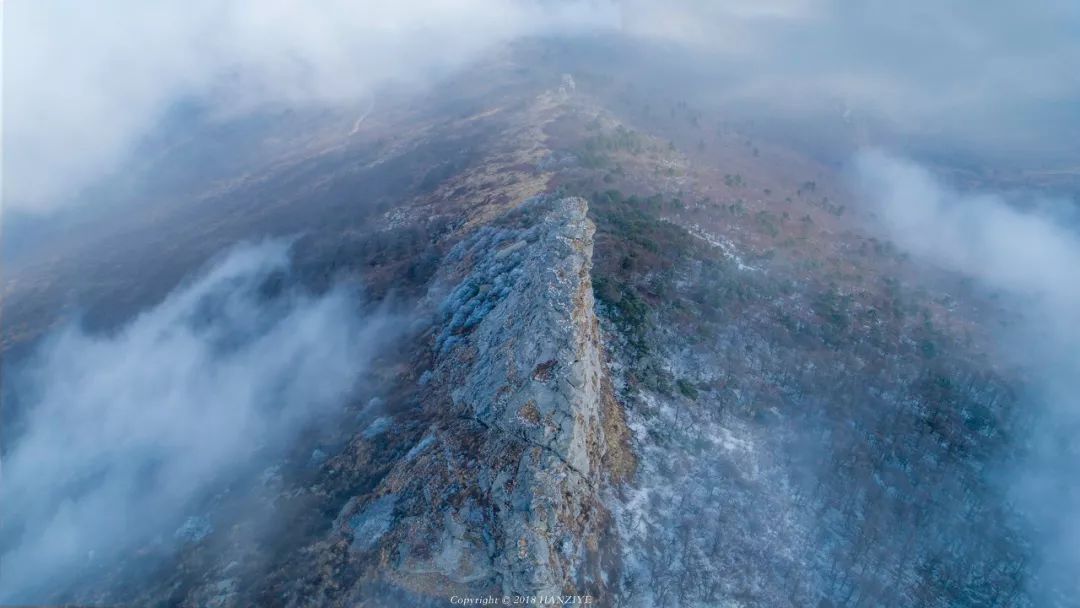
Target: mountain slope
{"x": 652, "y": 357}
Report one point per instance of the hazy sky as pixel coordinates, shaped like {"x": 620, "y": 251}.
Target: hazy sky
{"x": 86, "y": 80}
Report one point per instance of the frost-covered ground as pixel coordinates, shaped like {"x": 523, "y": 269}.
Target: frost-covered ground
{"x": 786, "y": 460}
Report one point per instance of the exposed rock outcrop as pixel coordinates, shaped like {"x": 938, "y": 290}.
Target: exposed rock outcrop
{"x": 502, "y": 492}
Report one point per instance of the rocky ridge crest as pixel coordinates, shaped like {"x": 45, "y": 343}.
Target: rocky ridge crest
{"x": 502, "y": 493}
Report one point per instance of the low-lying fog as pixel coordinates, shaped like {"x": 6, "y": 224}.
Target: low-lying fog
{"x": 126, "y": 433}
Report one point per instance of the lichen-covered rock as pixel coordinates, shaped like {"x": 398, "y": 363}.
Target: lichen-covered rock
{"x": 502, "y": 493}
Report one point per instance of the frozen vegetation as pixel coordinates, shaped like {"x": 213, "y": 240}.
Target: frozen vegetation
{"x": 789, "y": 461}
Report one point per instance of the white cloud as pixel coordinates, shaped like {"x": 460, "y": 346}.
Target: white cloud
{"x": 1034, "y": 259}
{"x": 1026, "y": 253}
{"x": 124, "y": 431}
{"x": 85, "y": 80}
